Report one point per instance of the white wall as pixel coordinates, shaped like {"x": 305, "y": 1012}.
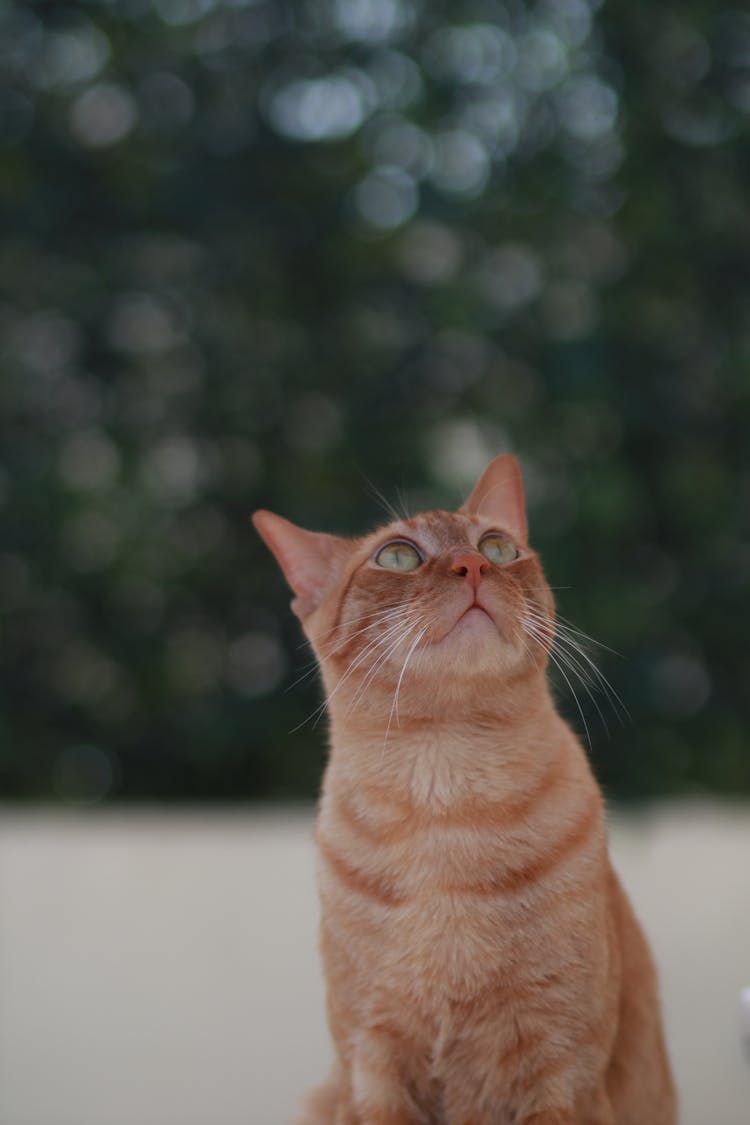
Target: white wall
{"x": 161, "y": 968}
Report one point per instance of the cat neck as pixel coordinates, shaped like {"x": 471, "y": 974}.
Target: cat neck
{"x": 481, "y": 708}
{"x": 445, "y": 754}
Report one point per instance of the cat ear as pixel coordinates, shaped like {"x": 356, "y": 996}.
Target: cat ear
{"x": 498, "y": 496}
{"x": 311, "y": 561}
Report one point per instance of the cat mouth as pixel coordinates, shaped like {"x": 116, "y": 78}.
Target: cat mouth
{"x": 475, "y": 609}
{"x": 474, "y": 616}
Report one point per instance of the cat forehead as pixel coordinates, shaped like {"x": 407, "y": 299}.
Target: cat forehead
{"x": 438, "y": 531}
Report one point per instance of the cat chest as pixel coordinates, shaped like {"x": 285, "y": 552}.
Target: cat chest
{"x": 484, "y": 850}
{"x": 453, "y": 874}
{"x": 438, "y": 914}
{"x": 431, "y": 940}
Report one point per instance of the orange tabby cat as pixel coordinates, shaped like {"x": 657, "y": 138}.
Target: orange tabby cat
{"x": 484, "y": 966}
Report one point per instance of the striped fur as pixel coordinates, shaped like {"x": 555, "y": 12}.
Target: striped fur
{"x": 483, "y": 964}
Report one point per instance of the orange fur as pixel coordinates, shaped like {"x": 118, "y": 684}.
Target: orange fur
{"x": 484, "y": 966}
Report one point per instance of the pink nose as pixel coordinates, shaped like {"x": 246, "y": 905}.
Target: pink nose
{"x": 471, "y": 566}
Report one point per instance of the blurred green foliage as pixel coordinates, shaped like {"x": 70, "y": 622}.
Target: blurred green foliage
{"x": 259, "y": 251}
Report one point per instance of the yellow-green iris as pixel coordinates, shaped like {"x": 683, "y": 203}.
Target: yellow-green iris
{"x": 498, "y": 549}
{"x": 398, "y": 556}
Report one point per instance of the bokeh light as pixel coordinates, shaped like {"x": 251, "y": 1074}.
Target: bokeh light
{"x": 259, "y": 251}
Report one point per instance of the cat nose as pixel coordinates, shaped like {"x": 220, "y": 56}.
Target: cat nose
{"x": 470, "y": 565}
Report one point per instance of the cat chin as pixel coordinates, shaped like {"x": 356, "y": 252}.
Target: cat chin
{"x": 475, "y": 627}
{"x": 474, "y": 644}
{"x": 474, "y": 620}
{"x": 475, "y": 650}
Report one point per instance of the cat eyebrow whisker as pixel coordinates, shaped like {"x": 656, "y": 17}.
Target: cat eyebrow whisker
{"x": 401, "y": 497}
{"x": 380, "y": 497}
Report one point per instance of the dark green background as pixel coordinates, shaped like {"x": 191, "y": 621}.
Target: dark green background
{"x": 261, "y": 253}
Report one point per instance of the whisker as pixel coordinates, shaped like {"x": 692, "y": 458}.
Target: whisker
{"x": 575, "y": 637}
{"x": 370, "y": 647}
{"x": 597, "y": 677}
{"x": 567, "y": 626}
{"x": 312, "y": 666}
{"x": 528, "y": 626}
{"x": 401, "y": 498}
{"x": 383, "y": 640}
{"x": 394, "y": 705}
{"x": 565, "y": 637}
{"x": 372, "y": 672}
{"x": 394, "y": 615}
{"x": 574, "y": 666}
{"x": 377, "y": 495}
{"x": 579, "y": 633}
{"x": 363, "y": 617}
{"x": 308, "y": 671}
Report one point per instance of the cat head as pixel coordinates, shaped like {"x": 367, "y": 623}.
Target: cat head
{"x": 453, "y": 603}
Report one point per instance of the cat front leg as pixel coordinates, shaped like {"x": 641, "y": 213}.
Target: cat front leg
{"x": 321, "y": 1104}
{"x": 552, "y": 1117}
{"x": 379, "y": 1092}
{"x": 600, "y": 1114}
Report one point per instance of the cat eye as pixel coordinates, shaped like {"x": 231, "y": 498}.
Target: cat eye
{"x": 398, "y": 555}
{"x": 498, "y": 549}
